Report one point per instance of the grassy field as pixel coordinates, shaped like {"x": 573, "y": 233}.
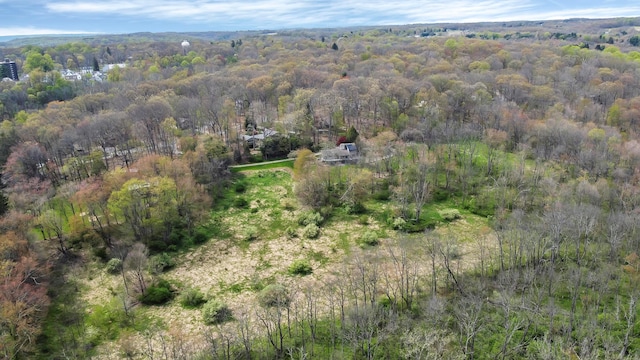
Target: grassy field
{"x": 258, "y": 238}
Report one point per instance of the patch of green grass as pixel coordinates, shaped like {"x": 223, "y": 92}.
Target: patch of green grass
{"x": 318, "y": 256}
{"x": 343, "y": 242}
{"x": 236, "y": 288}
{"x": 256, "y": 283}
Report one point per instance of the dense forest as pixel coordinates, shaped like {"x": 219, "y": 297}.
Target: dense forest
{"x": 493, "y": 210}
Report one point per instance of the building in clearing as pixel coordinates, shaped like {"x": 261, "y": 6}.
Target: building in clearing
{"x": 8, "y": 69}
{"x": 345, "y": 153}
{"x": 258, "y": 137}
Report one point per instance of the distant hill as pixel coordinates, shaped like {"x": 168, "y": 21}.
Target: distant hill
{"x": 581, "y": 26}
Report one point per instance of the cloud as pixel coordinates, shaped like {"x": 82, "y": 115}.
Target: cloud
{"x": 594, "y": 12}
{"x": 21, "y": 31}
{"x": 240, "y": 14}
{"x": 295, "y": 13}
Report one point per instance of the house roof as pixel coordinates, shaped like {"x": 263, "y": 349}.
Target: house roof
{"x": 350, "y": 147}
{"x": 261, "y": 135}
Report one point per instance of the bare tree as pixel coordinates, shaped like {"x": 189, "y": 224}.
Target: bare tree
{"x": 135, "y": 263}
{"x": 469, "y": 315}
{"x": 402, "y": 280}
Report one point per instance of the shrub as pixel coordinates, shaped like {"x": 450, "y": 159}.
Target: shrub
{"x": 325, "y": 212}
{"x": 414, "y": 226}
{"x": 440, "y": 195}
{"x": 240, "y": 203}
{"x": 274, "y": 295}
{"x": 100, "y": 253}
{"x": 382, "y": 195}
{"x": 114, "y": 266}
{"x": 300, "y": 267}
{"x": 399, "y": 224}
{"x": 239, "y": 187}
{"x": 310, "y": 217}
{"x": 363, "y": 220}
{"x": 160, "y": 263}
{"x": 255, "y": 158}
{"x": 288, "y": 204}
{"x": 449, "y": 215}
{"x": 215, "y": 312}
{"x": 200, "y": 237}
{"x": 250, "y": 233}
{"x": 291, "y": 232}
{"x": 192, "y": 298}
{"x": 369, "y": 238}
{"x": 311, "y": 231}
{"x": 256, "y": 283}
{"x": 157, "y": 294}
{"x": 356, "y": 208}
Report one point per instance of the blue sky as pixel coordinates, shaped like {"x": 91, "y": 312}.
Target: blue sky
{"x": 32, "y": 17}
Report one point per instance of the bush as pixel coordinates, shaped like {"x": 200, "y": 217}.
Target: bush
{"x": 382, "y": 195}
{"x": 356, "y": 208}
{"x": 291, "y": 232}
{"x": 449, "y": 215}
{"x": 215, "y": 312}
{"x": 369, "y": 238}
{"x": 239, "y": 187}
{"x": 288, "y": 204}
{"x": 310, "y": 217}
{"x": 363, "y": 220}
{"x": 200, "y": 237}
{"x": 300, "y": 267}
{"x": 274, "y": 295}
{"x": 399, "y": 224}
{"x": 250, "y": 233}
{"x": 114, "y": 266}
{"x": 160, "y": 263}
{"x": 255, "y": 158}
{"x": 192, "y": 298}
{"x": 157, "y": 294}
{"x": 311, "y": 231}
{"x": 420, "y": 225}
{"x": 325, "y": 212}
{"x": 440, "y": 195}
{"x": 240, "y": 203}
{"x": 480, "y": 206}
{"x": 100, "y": 253}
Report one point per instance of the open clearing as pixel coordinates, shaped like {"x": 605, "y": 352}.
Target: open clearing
{"x": 257, "y": 248}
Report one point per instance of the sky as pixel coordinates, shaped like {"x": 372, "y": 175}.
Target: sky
{"x": 41, "y": 17}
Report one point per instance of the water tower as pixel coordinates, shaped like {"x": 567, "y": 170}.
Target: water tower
{"x": 185, "y": 44}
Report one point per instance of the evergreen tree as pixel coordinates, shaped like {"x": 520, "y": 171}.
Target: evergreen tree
{"x": 334, "y": 46}
{"x": 96, "y": 66}
{"x": 352, "y": 134}
{"x": 4, "y": 72}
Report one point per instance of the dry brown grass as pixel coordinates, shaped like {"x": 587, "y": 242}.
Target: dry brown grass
{"x": 233, "y": 270}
